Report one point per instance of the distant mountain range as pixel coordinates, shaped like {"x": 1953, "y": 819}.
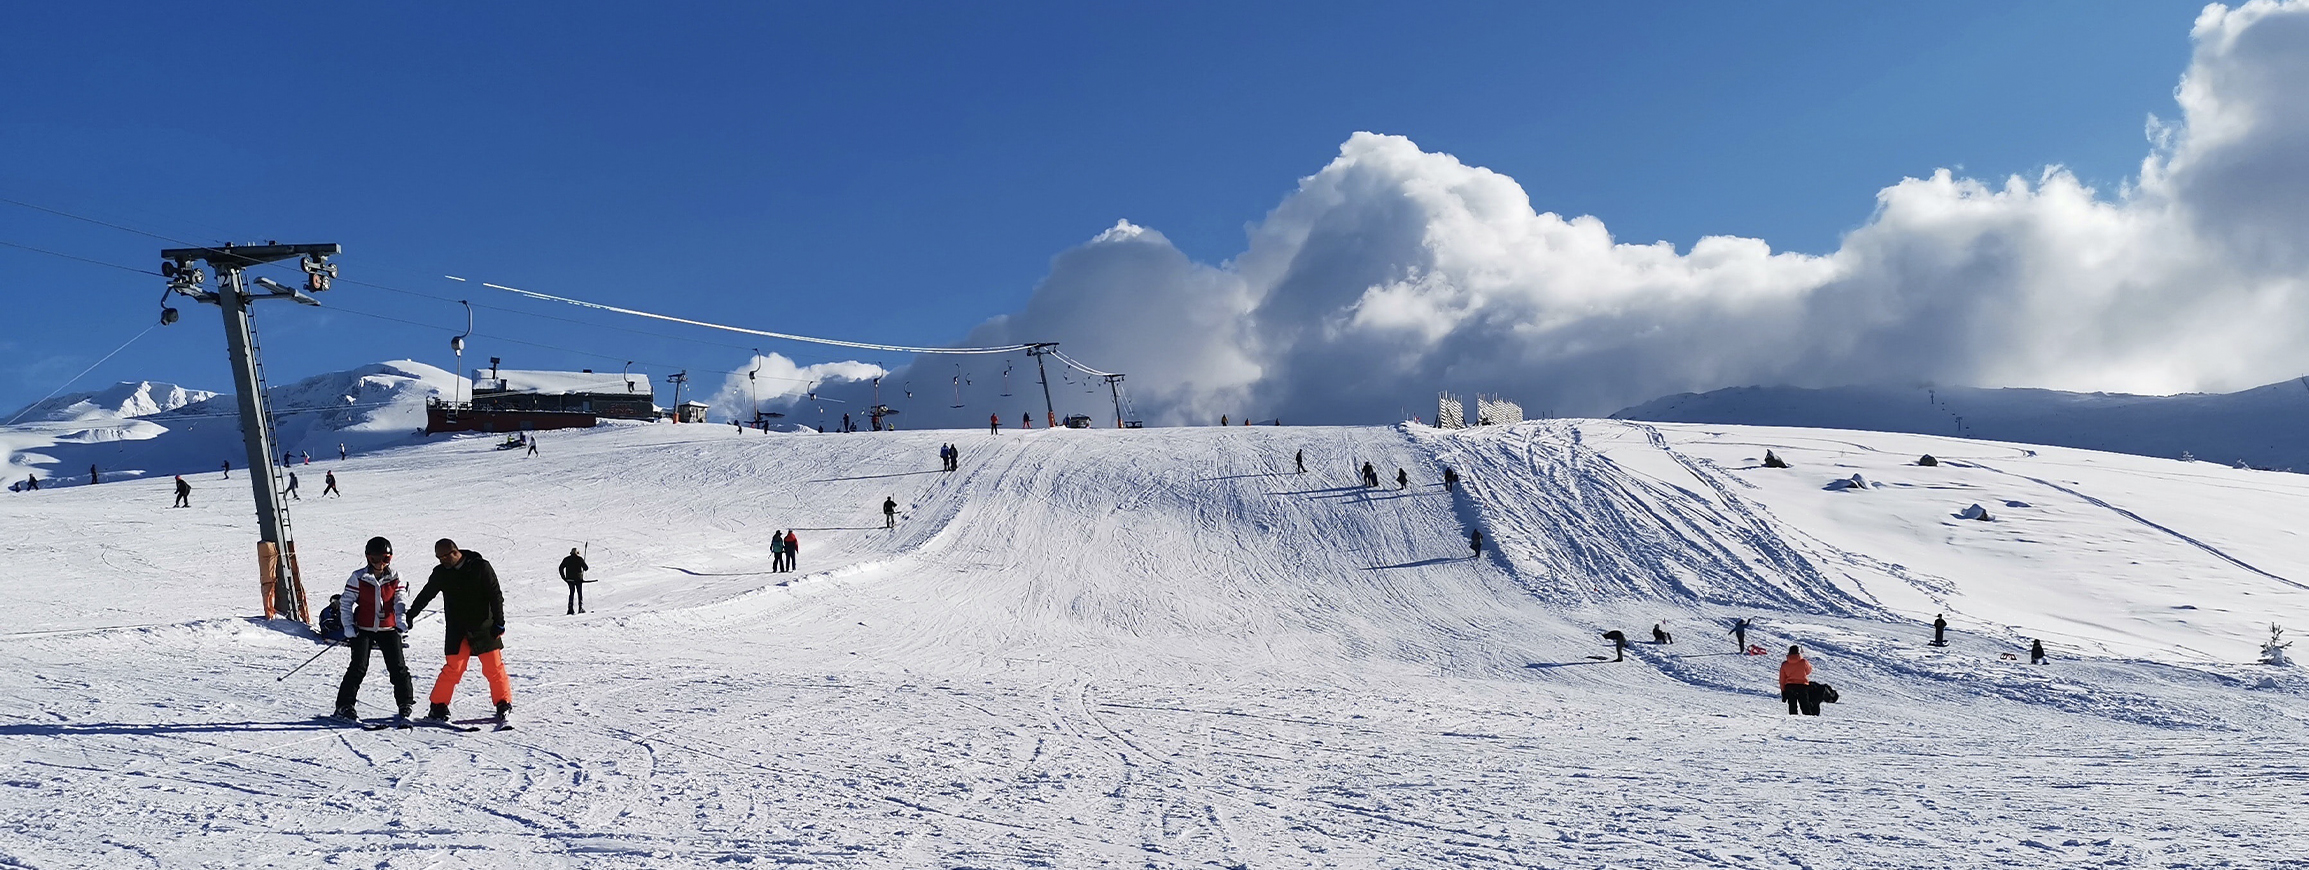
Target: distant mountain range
{"x": 124, "y": 399}
{"x": 149, "y": 428}
{"x": 2264, "y": 427}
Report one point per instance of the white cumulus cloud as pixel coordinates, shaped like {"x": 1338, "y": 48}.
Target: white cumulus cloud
{"x": 1394, "y": 272}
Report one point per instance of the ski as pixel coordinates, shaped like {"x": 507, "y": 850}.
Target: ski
{"x": 439, "y": 723}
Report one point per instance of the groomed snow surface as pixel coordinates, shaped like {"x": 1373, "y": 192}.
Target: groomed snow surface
{"x": 1162, "y": 648}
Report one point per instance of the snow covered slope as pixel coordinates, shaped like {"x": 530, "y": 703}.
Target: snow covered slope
{"x": 1165, "y": 648}
{"x": 2259, "y": 426}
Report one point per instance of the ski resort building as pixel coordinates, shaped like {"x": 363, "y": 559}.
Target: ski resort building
{"x": 507, "y": 400}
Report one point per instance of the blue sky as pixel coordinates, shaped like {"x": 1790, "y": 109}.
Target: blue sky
{"x": 899, "y": 173}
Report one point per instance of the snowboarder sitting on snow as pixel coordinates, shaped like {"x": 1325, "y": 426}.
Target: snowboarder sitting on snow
{"x": 573, "y": 573}
{"x": 374, "y": 615}
{"x": 1796, "y": 684}
{"x": 473, "y": 613}
{"x": 1619, "y": 644}
{"x": 1660, "y": 633}
{"x": 889, "y": 513}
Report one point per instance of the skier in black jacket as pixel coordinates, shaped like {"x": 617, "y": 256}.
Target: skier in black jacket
{"x": 573, "y": 573}
{"x": 473, "y": 617}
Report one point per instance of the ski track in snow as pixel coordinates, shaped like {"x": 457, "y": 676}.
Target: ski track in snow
{"x": 1162, "y": 648}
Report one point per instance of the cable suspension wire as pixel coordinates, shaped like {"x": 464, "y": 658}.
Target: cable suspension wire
{"x": 1078, "y": 366}
{"x": 862, "y": 345}
{"x": 83, "y": 372}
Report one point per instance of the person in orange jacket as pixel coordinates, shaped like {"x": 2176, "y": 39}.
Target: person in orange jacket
{"x": 1796, "y": 684}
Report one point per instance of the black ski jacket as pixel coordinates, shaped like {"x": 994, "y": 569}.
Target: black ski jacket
{"x": 473, "y": 607}
{"x": 573, "y": 568}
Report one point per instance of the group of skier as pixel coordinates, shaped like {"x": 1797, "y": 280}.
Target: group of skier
{"x": 785, "y": 547}
{"x": 374, "y": 617}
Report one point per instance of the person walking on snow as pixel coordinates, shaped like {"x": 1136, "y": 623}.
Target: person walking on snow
{"x": 329, "y": 485}
{"x": 777, "y": 551}
{"x": 793, "y": 549}
{"x": 1796, "y": 684}
{"x": 1475, "y": 542}
{"x": 573, "y": 573}
{"x": 1370, "y": 475}
{"x": 292, "y": 491}
{"x": 1619, "y": 644}
{"x": 183, "y": 493}
{"x": 1402, "y": 479}
{"x": 532, "y": 449}
{"x": 1940, "y": 630}
{"x": 2036, "y": 652}
{"x": 1450, "y": 480}
{"x": 473, "y": 617}
{"x": 1301, "y": 458}
{"x": 1740, "y": 634}
{"x": 994, "y": 424}
{"x": 228, "y": 469}
{"x": 889, "y": 513}
{"x": 340, "y": 451}
{"x": 92, "y": 478}
{"x": 374, "y": 615}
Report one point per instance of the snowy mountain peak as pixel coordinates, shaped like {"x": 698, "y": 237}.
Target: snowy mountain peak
{"x": 124, "y": 399}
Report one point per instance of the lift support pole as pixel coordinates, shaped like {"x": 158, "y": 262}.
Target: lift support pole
{"x": 1037, "y": 351}
{"x": 284, "y": 591}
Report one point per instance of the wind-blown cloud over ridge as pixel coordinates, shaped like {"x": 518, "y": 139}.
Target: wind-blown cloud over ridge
{"x": 1394, "y": 272}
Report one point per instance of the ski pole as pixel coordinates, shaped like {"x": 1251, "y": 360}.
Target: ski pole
{"x": 316, "y": 657}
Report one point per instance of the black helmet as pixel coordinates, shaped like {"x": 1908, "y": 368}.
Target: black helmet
{"x": 378, "y": 546}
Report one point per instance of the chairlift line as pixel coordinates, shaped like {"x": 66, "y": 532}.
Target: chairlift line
{"x": 863, "y": 345}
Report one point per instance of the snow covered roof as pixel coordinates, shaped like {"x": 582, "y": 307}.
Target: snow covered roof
{"x": 563, "y": 383}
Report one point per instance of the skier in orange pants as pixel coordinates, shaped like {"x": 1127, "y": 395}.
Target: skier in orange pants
{"x": 473, "y": 610}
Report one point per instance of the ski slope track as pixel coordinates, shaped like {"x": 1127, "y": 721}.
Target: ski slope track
{"x": 1165, "y": 648}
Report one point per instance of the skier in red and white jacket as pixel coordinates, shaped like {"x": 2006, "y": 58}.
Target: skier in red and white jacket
{"x": 375, "y": 614}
